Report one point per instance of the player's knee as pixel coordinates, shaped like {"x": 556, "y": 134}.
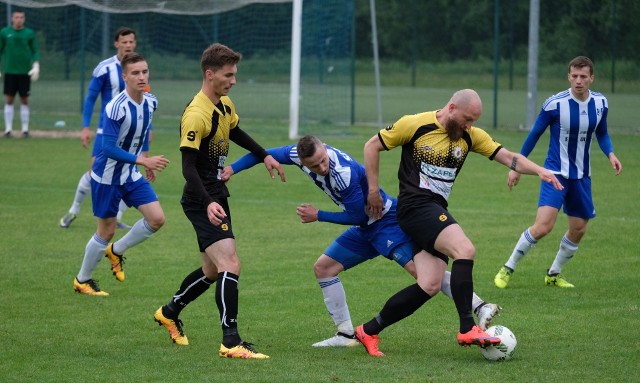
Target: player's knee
{"x": 464, "y": 251}
{"x": 157, "y": 222}
{"x": 431, "y": 286}
{"x": 323, "y": 269}
{"x": 229, "y": 263}
{"x": 540, "y": 231}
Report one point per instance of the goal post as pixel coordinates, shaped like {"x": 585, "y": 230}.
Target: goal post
{"x": 294, "y": 95}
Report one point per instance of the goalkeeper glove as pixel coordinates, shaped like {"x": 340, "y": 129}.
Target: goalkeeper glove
{"x": 34, "y": 73}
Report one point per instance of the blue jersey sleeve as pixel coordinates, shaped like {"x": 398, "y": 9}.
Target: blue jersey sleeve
{"x": 87, "y": 109}
{"x": 110, "y": 146}
{"x": 353, "y": 202}
{"x": 603, "y": 135}
{"x": 147, "y": 140}
{"x": 282, "y": 154}
{"x": 354, "y": 213}
{"x": 541, "y": 124}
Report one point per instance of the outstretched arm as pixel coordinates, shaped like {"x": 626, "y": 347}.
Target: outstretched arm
{"x": 244, "y": 140}
{"x": 521, "y": 164}
{"x": 281, "y": 154}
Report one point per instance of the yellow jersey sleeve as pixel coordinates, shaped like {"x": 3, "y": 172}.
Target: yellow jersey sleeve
{"x": 193, "y": 128}
{"x": 482, "y": 142}
{"x": 234, "y": 119}
{"x": 403, "y": 130}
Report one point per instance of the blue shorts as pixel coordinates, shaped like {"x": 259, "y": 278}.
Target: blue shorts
{"x": 575, "y": 198}
{"x": 360, "y": 244}
{"x": 106, "y": 198}
{"x": 97, "y": 145}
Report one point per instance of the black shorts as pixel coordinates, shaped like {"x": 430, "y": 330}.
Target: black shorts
{"x": 423, "y": 224}
{"x": 206, "y": 232}
{"x": 17, "y": 83}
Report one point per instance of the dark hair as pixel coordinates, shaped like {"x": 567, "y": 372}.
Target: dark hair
{"x": 581, "y": 62}
{"x": 217, "y": 55}
{"x": 131, "y": 58}
{"x": 123, "y": 31}
{"x": 307, "y": 146}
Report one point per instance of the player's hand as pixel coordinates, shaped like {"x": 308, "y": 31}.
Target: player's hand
{"x": 272, "y": 164}
{"x": 151, "y": 174}
{"x": 227, "y": 172}
{"x": 85, "y": 136}
{"x": 154, "y": 163}
{"x": 547, "y": 176}
{"x": 374, "y": 204}
{"x": 307, "y": 213}
{"x": 512, "y": 179}
{"x": 216, "y": 213}
{"x": 34, "y": 73}
{"x": 615, "y": 163}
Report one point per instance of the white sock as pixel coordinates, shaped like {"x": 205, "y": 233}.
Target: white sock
{"x": 93, "y": 253}
{"x": 8, "y": 118}
{"x": 121, "y": 208}
{"x": 335, "y": 300}
{"x": 524, "y": 245}
{"x": 24, "y": 117}
{"x": 138, "y": 233}
{"x": 82, "y": 191}
{"x": 445, "y": 288}
{"x": 565, "y": 253}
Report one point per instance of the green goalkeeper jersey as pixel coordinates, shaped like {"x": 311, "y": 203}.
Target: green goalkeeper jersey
{"x": 19, "y": 50}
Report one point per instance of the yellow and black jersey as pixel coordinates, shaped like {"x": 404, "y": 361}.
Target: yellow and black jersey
{"x": 430, "y": 161}
{"x": 205, "y": 128}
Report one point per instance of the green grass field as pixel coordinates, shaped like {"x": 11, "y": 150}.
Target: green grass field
{"x": 51, "y": 334}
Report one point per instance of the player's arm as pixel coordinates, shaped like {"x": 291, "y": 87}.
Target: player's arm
{"x": 113, "y": 151}
{"x": 282, "y": 154}
{"x": 2, "y": 45}
{"x": 604, "y": 141}
{"x": 87, "y": 109}
{"x": 521, "y": 164}
{"x": 190, "y": 174}
{"x": 537, "y": 130}
{"x": 354, "y": 210}
{"x": 241, "y": 138}
{"x": 34, "y": 72}
{"x": 150, "y": 173}
{"x": 215, "y": 212}
{"x": 372, "y": 150}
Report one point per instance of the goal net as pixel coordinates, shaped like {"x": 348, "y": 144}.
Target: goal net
{"x": 74, "y": 36}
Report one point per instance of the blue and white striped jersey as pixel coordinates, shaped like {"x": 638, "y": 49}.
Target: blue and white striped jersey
{"x": 106, "y": 82}
{"x": 128, "y": 122}
{"x": 346, "y": 184}
{"x": 572, "y": 124}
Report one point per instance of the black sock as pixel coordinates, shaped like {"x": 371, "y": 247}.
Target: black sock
{"x": 227, "y": 301}
{"x": 193, "y": 285}
{"x": 462, "y": 292}
{"x": 402, "y": 304}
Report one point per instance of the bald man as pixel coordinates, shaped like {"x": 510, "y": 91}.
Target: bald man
{"x": 435, "y": 145}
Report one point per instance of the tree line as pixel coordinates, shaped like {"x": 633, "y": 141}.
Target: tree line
{"x": 445, "y": 30}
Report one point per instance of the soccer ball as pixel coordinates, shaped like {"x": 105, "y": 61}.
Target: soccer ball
{"x": 503, "y": 350}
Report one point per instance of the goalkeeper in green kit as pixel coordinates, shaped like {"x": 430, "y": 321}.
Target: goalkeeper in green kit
{"x": 19, "y": 53}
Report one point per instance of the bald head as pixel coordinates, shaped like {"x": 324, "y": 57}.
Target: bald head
{"x": 466, "y": 99}
{"x": 463, "y": 109}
